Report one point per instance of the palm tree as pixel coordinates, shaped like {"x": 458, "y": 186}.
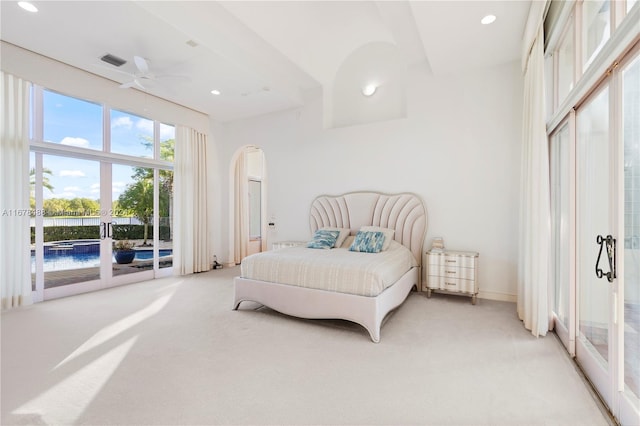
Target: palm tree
{"x": 32, "y": 184}
{"x": 45, "y": 179}
{"x": 138, "y": 198}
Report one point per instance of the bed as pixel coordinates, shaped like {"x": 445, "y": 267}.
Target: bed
{"x": 323, "y": 290}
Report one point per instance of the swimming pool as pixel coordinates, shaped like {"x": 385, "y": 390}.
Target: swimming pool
{"x": 57, "y": 260}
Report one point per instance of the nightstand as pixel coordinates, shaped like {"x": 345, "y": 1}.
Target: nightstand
{"x": 453, "y": 272}
{"x": 283, "y": 244}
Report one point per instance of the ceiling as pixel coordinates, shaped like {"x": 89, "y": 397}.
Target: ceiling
{"x": 262, "y": 56}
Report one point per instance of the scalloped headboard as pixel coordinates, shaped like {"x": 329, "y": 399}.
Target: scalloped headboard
{"x": 403, "y": 212}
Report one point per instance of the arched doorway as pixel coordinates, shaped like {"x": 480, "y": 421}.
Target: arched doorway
{"x": 247, "y": 203}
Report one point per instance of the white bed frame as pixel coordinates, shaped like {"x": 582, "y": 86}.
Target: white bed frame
{"x": 405, "y": 213}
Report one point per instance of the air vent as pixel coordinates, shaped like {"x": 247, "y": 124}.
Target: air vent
{"x": 113, "y": 60}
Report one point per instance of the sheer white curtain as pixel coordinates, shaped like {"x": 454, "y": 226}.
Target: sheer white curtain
{"x": 534, "y": 243}
{"x": 15, "y": 251}
{"x": 240, "y": 208}
{"x": 192, "y": 208}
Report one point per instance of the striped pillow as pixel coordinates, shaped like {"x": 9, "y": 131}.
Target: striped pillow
{"x": 368, "y": 242}
{"x": 323, "y": 239}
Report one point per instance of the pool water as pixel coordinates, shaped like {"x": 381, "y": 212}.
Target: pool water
{"x": 56, "y": 261}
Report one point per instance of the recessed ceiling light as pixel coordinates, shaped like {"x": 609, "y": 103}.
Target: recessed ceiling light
{"x": 215, "y": 92}
{"x": 488, "y": 19}
{"x": 27, "y": 6}
{"x": 369, "y": 89}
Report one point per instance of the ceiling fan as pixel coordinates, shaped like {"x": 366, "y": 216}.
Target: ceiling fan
{"x": 143, "y": 76}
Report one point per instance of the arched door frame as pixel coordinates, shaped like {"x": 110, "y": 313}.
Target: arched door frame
{"x": 232, "y": 195}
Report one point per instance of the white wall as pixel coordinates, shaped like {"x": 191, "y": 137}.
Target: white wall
{"x": 459, "y": 149}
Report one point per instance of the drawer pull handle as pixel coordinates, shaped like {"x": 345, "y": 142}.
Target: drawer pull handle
{"x": 450, "y": 283}
{"x": 451, "y": 261}
{"x": 450, "y": 272}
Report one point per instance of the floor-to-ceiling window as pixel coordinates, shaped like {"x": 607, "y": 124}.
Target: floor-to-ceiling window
{"x": 102, "y": 188}
{"x": 594, "y": 154}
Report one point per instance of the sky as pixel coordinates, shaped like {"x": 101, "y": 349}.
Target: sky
{"x": 73, "y": 122}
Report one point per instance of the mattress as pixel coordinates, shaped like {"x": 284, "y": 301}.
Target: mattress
{"x": 337, "y": 270}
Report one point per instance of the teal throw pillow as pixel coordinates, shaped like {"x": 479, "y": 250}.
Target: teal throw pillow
{"x": 323, "y": 239}
{"x": 368, "y": 242}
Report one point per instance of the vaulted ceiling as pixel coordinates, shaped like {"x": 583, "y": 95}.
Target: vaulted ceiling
{"x": 262, "y": 56}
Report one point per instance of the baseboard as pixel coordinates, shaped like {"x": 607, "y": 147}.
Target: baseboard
{"x": 503, "y": 297}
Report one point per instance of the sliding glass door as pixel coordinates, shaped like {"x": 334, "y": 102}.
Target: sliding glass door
{"x": 596, "y": 205}
{"x": 607, "y": 240}
{"x": 66, "y": 235}
{"x": 595, "y": 201}
{"x": 562, "y": 181}
{"x": 102, "y": 196}
{"x": 629, "y": 346}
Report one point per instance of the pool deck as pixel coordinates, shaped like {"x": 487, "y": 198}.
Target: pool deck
{"x": 72, "y": 276}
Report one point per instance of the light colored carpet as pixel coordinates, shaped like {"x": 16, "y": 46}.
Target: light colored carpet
{"x": 172, "y": 351}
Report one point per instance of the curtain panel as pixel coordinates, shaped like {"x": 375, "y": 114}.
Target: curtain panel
{"x": 192, "y": 245}
{"x": 535, "y": 205}
{"x": 241, "y": 209}
{"x": 15, "y": 243}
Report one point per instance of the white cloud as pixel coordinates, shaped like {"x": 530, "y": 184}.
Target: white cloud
{"x": 72, "y": 173}
{"x": 118, "y": 185}
{"x": 145, "y": 126}
{"x": 71, "y": 188}
{"x": 95, "y": 185}
{"x": 122, "y": 122}
{"x": 81, "y": 142}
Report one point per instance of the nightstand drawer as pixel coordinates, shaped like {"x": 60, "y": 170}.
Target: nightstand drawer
{"x": 455, "y": 285}
{"x": 448, "y": 271}
{"x": 452, "y": 260}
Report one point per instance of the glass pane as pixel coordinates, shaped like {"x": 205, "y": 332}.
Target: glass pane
{"x": 255, "y": 195}
{"x": 71, "y": 191}
{"x": 132, "y": 219}
{"x": 166, "y": 218}
{"x": 167, "y": 142}
{"x": 596, "y": 22}
{"x": 565, "y": 64}
{"x": 631, "y": 135}
{"x": 593, "y": 220}
{"x": 131, "y": 135}
{"x": 630, "y": 4}
{"x": 32, "y": 224}
{"x": 549, "y": 84}
{"x": 560, "y": 221}
{"x": 71, "y": 121}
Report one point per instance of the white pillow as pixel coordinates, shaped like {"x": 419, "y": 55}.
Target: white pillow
{"x": 348, "y": 241}
{"x": 388, "y": 234}
{"x": 344, "y": 233}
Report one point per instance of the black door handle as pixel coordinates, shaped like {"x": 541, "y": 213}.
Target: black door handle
{"x": 609, "y": 243}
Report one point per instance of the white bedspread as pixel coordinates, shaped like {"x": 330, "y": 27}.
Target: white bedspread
{"x": 339, "y": 270}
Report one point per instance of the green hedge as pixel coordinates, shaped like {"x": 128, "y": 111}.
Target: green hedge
{"x": 120, "y": 232}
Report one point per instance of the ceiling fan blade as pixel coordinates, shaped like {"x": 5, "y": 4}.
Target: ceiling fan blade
{"x": 133, "y": 83}
{"x": 141, "y": 64}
